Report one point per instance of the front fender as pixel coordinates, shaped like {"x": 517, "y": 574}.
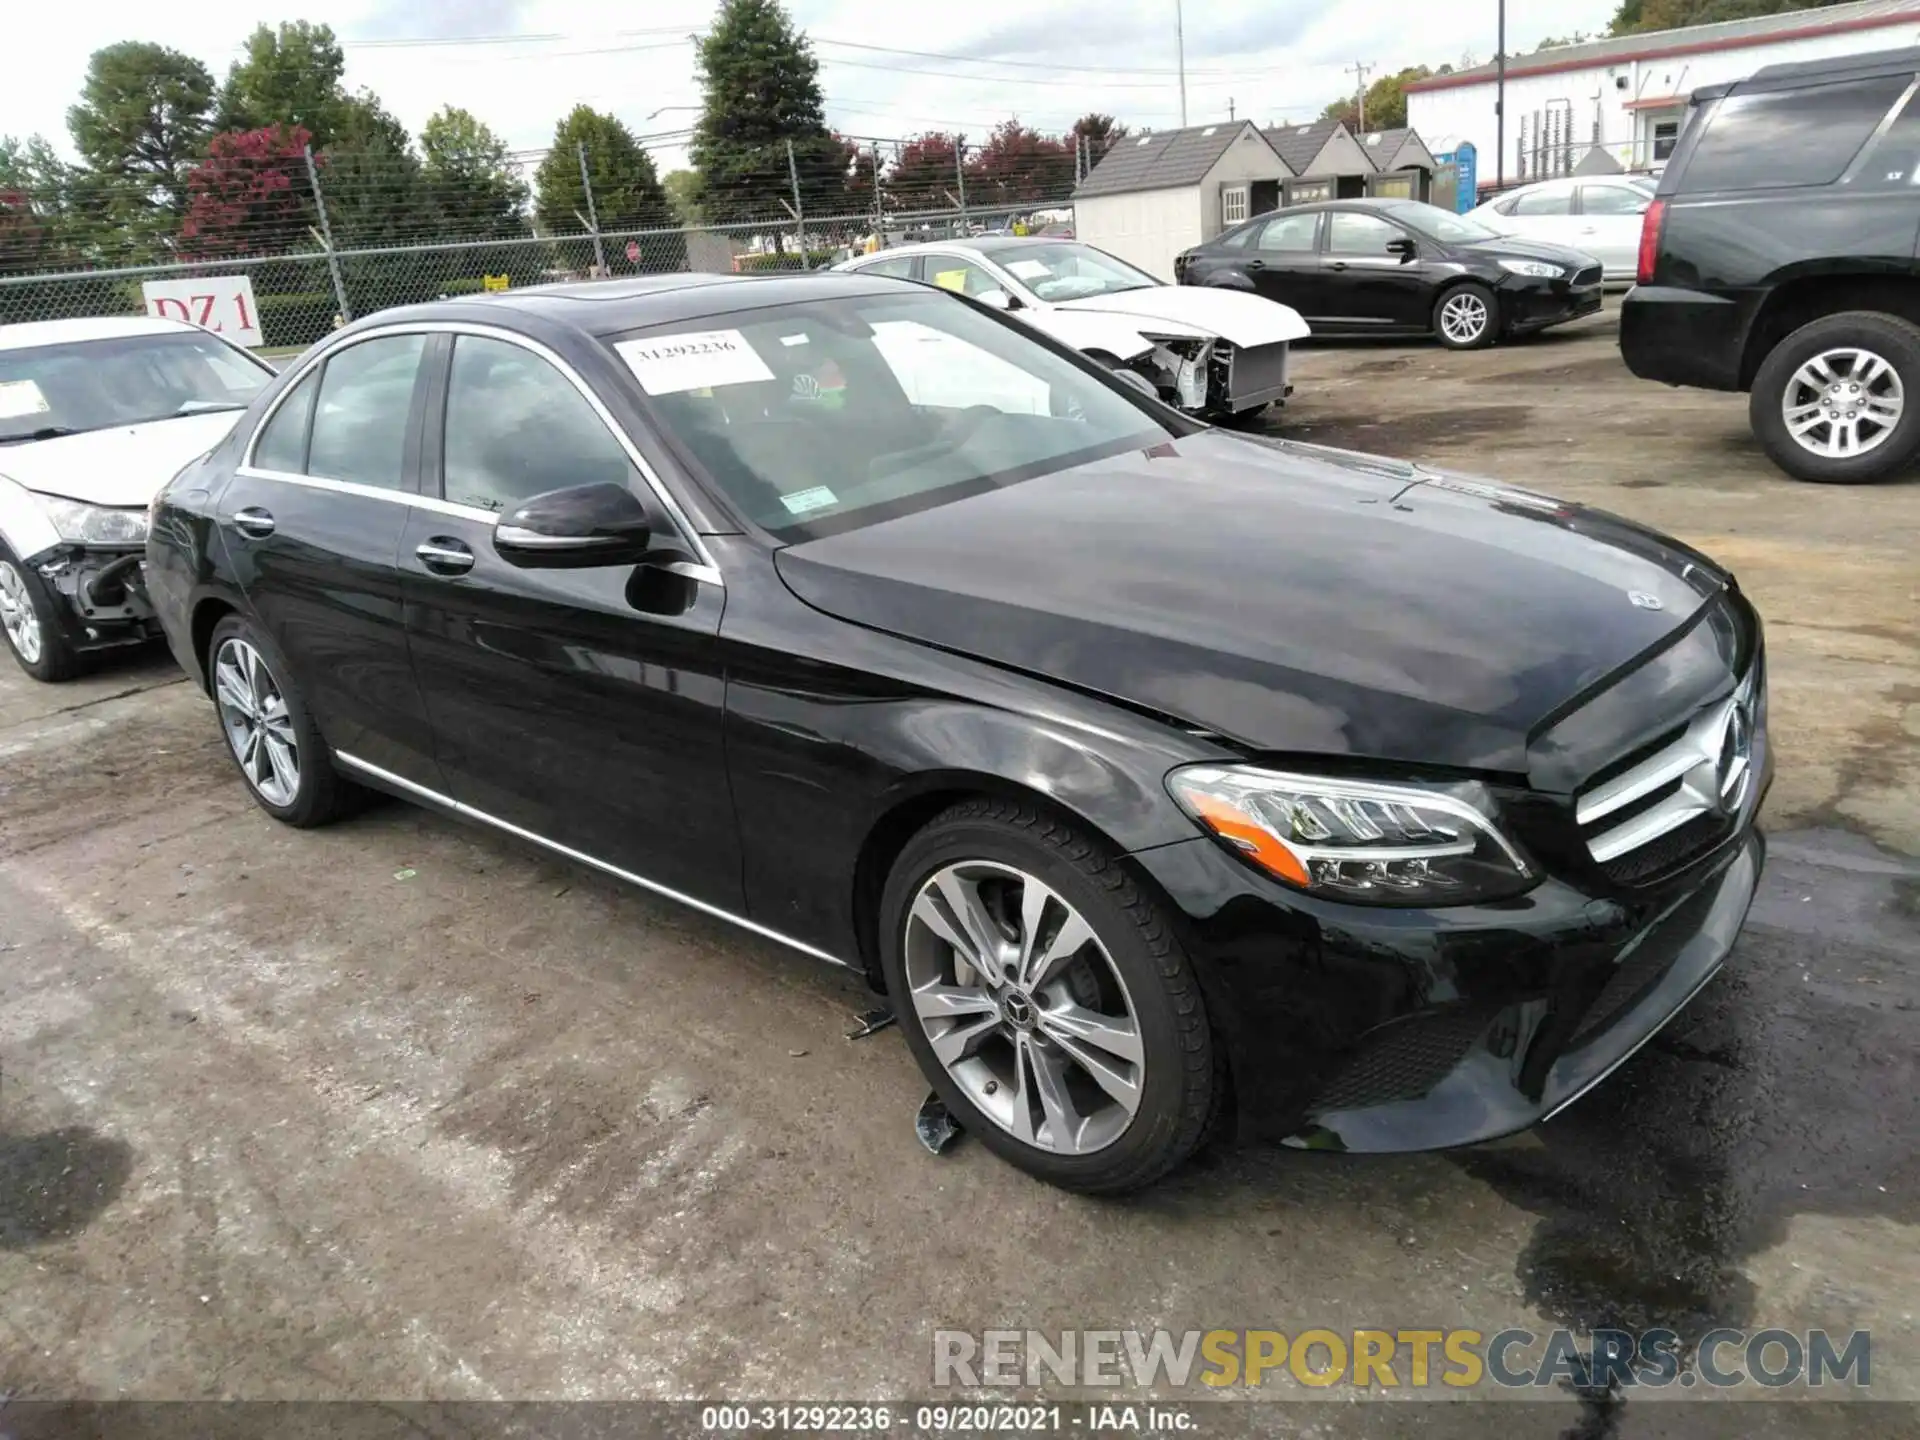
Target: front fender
{"x": 23, "y": 521}
{"x": 1087, "y": 333}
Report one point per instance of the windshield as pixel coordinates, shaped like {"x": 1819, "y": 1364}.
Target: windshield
{"x": 97, "y": 384}
{"x": 1070, "y": 271}
{"x": 826, "y": 416}
{"x": 1444, "y": 225}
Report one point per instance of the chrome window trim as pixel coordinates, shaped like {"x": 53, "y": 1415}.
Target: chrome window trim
{"x": 468, "y": 812}
{"x": 433, "y": 502}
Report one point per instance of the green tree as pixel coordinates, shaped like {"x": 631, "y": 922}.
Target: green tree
{"x": 471, "y": 177}
{"x": 372, "y": 179}
{"x": 39, "y": 230}
{"x": 1638, "y": 16}
{"x": 1386, "y": 102}
{"x": 287, "y": 76}
{"x": 683, "y": 194}
{"x": 627, "y": 194}
{"x": 141, "y": 125}
{"x": 762, "y": 91}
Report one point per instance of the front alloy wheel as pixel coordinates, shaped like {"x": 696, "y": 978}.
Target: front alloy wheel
{"x": 1023, "y": 1006}
{"x": 1463, "y": 318}
{"x": 16, "y": 614}
{"x": 1047, "y": 998}
{"x": 254, "y": 715}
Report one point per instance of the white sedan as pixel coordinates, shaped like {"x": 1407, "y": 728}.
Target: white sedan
{"x": 1217, "y": 353}
{"x": 1598, "y": 214}
{"x": 95, "y": 416}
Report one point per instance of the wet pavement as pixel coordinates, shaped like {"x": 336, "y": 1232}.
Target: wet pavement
{"x": 398, "y": 1110}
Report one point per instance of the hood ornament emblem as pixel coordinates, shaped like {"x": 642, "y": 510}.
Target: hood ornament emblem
{"x": 1646, "y": 601}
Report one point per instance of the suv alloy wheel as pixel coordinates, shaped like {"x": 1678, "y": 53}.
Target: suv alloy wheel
{"x": 1835, "y": 401}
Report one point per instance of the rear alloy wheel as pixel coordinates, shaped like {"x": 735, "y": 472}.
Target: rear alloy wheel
{"x": 1465, "y": 317}
{"x": 27, "y": 620}
{"x": 1046, "y": 1000}
{"x": 269, "y": 732}
{"x": 1834, "y": 402}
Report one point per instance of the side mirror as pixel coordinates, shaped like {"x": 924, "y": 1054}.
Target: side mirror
{"x": 998, "y": 299}
{"x": 1403, "y": 247}
{"x": 576, "y": 529}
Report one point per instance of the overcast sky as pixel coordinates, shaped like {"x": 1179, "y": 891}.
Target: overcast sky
{"x": 524, "y": 63}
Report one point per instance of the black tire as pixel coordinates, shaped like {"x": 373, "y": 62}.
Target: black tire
{"x": 322, "y": 794}
{"x": 1894, "y": 341}
{"x": 1181, "y": 1088}
{"x": 57, "y": 659}
{"x": 1469, "y": 290}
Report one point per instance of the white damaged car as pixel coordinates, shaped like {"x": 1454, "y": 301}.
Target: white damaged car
{"x": 1213, "y": 353}
{"x": 95, "y": 416}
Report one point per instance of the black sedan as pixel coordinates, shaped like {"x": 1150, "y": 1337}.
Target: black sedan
{"x": 1397, "y": 267}
{"x": 1139, "y": 764}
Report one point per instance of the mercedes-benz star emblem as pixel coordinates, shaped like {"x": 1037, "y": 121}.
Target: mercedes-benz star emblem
{"x": 1646, "y": 601}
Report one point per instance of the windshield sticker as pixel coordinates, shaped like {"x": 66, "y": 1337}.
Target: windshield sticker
{"x": 21, "y": 397}
{"x": 951, "y": 280}
{"x": 801, "y": 501}
{"x": 793, "y": 339}
{"x": 1028, "y": 269}
{"x": 669, "y": 364}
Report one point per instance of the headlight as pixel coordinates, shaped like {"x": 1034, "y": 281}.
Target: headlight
{"x": 1539, "y": 269}
{"x": 94, "y": 524}
{"x": 1351, "y": 840}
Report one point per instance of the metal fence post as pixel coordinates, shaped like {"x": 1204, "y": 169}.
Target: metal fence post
{"x": 960, "y": 170}
{"x": 593, "y": 216}
{"x": 326, "y": 237}
{"x": 799, "y": 210}
{"x": 879, "y": 214}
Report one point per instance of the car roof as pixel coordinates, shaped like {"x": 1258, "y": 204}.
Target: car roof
{"x": 1385, "y": 204}
{"x": 32, "y": 334}
{"x": 979, "y": 244}
{"x": 608, "y": 307}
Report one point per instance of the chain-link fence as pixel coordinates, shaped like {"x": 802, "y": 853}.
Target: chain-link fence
{"x": 326, "y": 239}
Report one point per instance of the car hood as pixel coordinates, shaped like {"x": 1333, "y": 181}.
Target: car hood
{"x": 1232, "y": 315}
{"x": 1518, "y": 249}
{"x": 1285, "y": 597}
{"x": 124, "y": 466}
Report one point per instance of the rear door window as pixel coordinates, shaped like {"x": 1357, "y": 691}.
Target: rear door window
{"x": 1779, "y": 139}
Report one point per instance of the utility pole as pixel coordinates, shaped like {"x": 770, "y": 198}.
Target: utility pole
{"x": 1500, "y": 106}
{"x": 1230, "y": 114}
{"x": 1180, "y": 49}
{"x": 1360, "y": 73}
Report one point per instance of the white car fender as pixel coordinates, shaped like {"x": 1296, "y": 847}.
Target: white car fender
{"x": 23, "y": 520}
{"x": 1084, "y": 331}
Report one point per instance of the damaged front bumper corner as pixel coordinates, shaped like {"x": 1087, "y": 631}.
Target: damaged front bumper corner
{"x": 102, "y": 592}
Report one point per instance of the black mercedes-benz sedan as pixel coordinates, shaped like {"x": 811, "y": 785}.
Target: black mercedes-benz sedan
{"x": 1398, "y": 267}
{"x": 1147, "y": 769}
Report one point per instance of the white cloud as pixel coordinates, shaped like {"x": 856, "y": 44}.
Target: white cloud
{"x": 1268, "y": 59}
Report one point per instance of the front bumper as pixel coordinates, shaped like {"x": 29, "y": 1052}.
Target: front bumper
{"x": 102, "y": 594}
{"x": 1371, "y": 1029}
{"x": 1528, "y": 303}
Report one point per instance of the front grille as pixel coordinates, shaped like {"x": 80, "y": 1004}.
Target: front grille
{"x": 1588, "y": 276}
{"x": 1405, "y": 1059}
{"x": 1631, "y": 980}
{"x": 1676, "y": 798}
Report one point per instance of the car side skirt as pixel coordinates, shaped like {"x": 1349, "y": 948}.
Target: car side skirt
{"x": 408, "y": 790}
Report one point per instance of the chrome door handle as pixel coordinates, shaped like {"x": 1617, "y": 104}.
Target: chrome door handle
{"x": 444, "y": 556}
{"x": 253, "y": 522}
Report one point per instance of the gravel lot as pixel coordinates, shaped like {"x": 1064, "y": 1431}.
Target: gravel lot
{"x": 400, "y": 1109}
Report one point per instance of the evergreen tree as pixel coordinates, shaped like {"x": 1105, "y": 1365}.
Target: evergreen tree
{"x": 140, "y": 126}
{"x": 762, "y": 90}
{"x": 627, "y": 194}
{"x": 289, "y": 77}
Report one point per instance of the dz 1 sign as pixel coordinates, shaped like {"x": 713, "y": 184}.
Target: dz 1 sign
{"x": 222, "y": 303}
